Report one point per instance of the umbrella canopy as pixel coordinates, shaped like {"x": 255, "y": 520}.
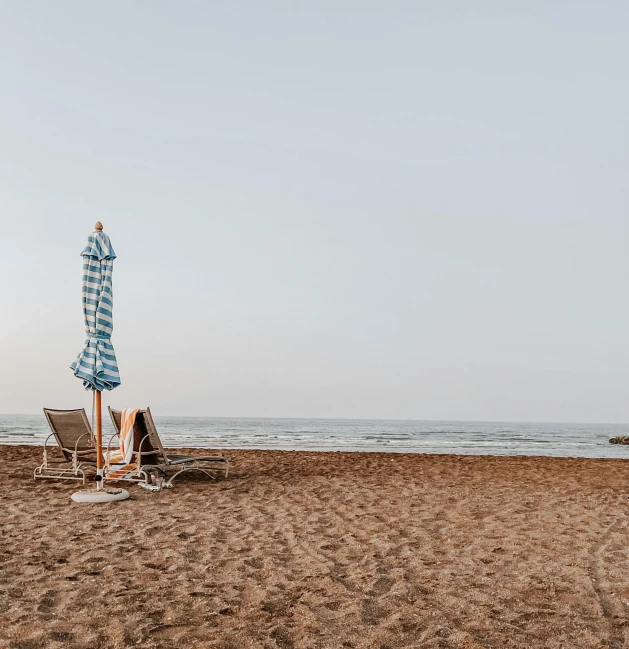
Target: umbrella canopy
{"x": 96, "y": 365}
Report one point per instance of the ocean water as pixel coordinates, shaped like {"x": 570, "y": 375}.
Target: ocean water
{"x": 467, "y": 438}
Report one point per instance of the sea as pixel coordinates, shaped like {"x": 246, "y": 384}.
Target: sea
{"x": 392, "y": 436}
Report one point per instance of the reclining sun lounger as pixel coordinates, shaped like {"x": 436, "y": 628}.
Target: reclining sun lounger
{"x": 75, "y": 440}
{"x": 150, "y": 455}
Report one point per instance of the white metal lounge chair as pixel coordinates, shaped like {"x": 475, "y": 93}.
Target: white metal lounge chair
{"x": 75, "y": 440}
{"x": 151, "y": 457}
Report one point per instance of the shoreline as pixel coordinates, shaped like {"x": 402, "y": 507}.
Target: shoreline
{"x": 462, "y": 438}
{"x": 199, "y": 450}
{"x": 320, "y": 550}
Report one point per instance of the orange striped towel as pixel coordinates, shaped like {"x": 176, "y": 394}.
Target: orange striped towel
{"x": 126, "y": 433}
{"x": 120, "y": 462}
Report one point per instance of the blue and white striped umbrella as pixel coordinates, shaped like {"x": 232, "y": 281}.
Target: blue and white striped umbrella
{"x": 96, "y": 364}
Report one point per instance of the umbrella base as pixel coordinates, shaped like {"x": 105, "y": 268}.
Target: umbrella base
{"x": 102, "y": 496}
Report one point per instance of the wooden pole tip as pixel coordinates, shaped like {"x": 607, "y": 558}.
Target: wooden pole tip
{"x": 98, "y": 226}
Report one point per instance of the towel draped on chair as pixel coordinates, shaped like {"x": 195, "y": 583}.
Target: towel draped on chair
{"x": 126, "y": 433}
{"x": 121, "y": 462}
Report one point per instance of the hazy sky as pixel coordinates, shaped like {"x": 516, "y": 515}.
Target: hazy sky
{"x": 321, "y": 209}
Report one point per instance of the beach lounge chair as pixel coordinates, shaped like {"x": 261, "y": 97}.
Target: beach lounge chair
{"x": 75, "y": 440}
{"x": 151, "y": 456}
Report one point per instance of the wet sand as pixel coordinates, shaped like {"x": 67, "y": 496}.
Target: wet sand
{"x": 323, "y": 550}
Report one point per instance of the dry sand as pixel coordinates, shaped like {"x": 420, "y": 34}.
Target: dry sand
{"x": 323, "y": 550}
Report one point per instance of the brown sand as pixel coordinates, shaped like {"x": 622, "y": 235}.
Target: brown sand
{"x": 323, "y": 550}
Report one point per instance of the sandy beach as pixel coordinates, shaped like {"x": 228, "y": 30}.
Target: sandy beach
{"x": 325, "y": 551}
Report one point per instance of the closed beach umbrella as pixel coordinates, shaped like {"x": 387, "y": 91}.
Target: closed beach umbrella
{"x": 96, "y": 365}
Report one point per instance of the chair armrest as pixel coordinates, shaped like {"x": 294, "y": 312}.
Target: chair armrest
{"x": 76, "y": 446}
{"x": 140, "y": 452}
{"x": 45, "y": 458}
{"x": 107, "y": 461}
{"x": 47, "y": 438}
{"x": 87, "y": 451}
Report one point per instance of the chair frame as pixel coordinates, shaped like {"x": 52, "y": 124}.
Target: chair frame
{"x": 142, "y": 472}
{"x": 53, "y": 469}
{"x": 152, "y": 442}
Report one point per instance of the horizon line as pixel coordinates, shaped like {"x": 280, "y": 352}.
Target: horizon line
{"x": 453, "y": 421}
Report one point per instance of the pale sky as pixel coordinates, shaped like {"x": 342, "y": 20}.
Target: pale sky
{"x": 397, "y": 209}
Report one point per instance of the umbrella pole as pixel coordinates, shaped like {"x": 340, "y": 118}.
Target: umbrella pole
{"x": 99, "y": 441}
